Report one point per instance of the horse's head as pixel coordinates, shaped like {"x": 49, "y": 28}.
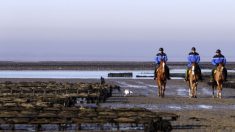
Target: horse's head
{"x": 163, "y": 64}
{"x": 219, "y": 72}
{"x": 193, "y": 68}
{"x": 193, "y": 74}
{"x": 220, "y": 67}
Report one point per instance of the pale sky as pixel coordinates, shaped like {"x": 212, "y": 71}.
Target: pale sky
{"x": 115, "y": 30}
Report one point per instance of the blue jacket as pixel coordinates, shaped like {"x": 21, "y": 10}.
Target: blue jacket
{"x": 160, "y": 57}
{"x": 217, "y": 59}
{"x": 193, "y": 58}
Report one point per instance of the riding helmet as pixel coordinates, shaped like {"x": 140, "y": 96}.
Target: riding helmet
{"x": 218, "y": 51}
{"x": 193, "y": 49}
{"x": 161, "y": 49}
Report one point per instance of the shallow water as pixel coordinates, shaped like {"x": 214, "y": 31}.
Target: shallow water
{"x": 80, "y": 74}
{"x": 173, "y": 107}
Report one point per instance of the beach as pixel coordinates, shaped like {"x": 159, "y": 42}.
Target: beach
{"x": 195, "y": 114}
{"x": 203, "y": 113}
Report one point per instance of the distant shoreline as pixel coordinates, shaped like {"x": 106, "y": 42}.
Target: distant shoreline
{"x": 96, "y": 65}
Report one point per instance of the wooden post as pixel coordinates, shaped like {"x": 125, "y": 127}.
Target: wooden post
{"x": 33, "y": 92}
{"x": 21, "y": 91}
{"x": 44, "y": 92}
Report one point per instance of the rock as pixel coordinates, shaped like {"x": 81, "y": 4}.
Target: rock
{"x": 10, "y": 105}
{"x": 124, "y": 120}
{"x": 27, "y": 105}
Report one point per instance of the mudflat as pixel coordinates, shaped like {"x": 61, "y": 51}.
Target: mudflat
{"x": 198, "y": 114}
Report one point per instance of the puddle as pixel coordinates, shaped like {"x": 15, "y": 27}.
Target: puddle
{"x": 182, "y": 92}
{"x": 173, "y": 107}
{"x": 206, "y": 91}
{"x": 152, "y": 86}
{"x": 127, "y": 85}
{"x": 144, "y": 74}
{"x": 205, "y": 106}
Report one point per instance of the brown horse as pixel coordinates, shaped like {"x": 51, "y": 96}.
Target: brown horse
{"x": 218, "y": 80}
{"x": 193, "y": 81}
{"x": 161, "y": 79}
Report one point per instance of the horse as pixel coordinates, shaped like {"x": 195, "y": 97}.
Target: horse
{"x": 161, "y": 79}
{"x": 218, "y": 80}
{"x": 193, "y": 81}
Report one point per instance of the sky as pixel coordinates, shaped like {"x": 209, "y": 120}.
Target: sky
{"x": 115, "y": 30}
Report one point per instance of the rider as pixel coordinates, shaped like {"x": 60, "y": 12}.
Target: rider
{"x": 219, "y": 59}
{"x": 193, "y": 57}
{"x": 161, "y": 56}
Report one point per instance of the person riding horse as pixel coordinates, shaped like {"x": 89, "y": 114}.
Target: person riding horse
{"x": 193, "y": 57}
{"x": 161, "y": 56}
{"x": 219, "y": 59}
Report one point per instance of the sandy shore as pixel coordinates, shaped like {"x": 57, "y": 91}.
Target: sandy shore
{"x": 202, "y": 114}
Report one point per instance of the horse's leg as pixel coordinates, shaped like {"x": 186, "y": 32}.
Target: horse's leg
{"x": 159, "y": 89}
{"x": 195, "y": 91}
{"x": 192, "y": 90}
{"x": 220, "y": 91}
{"x": 163, "y": 89}
{"x": 189, "y": 89}
{"x": 213, "y": 89}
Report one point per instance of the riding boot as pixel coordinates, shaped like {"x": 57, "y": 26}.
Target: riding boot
{"x": 186, "y": 75}
{"x": 225, "y": 73}
{"x": 167, "y": 73}
{"x": 212, "y": 75}
{"x": 200, "y": 73}
{"x": 155, "y": 73}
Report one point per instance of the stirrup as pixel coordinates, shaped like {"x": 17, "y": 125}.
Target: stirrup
{"x": 201, "y": 79}
{"x": 212, "y": 80}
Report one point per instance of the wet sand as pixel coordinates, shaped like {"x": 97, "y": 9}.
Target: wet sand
{"x": 201, "y": 114}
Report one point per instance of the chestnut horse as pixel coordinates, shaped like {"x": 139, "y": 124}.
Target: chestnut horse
{"x": 218, "y": 80}
{"x": 193, "y": 81}
{"x": 161, "y": 79}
